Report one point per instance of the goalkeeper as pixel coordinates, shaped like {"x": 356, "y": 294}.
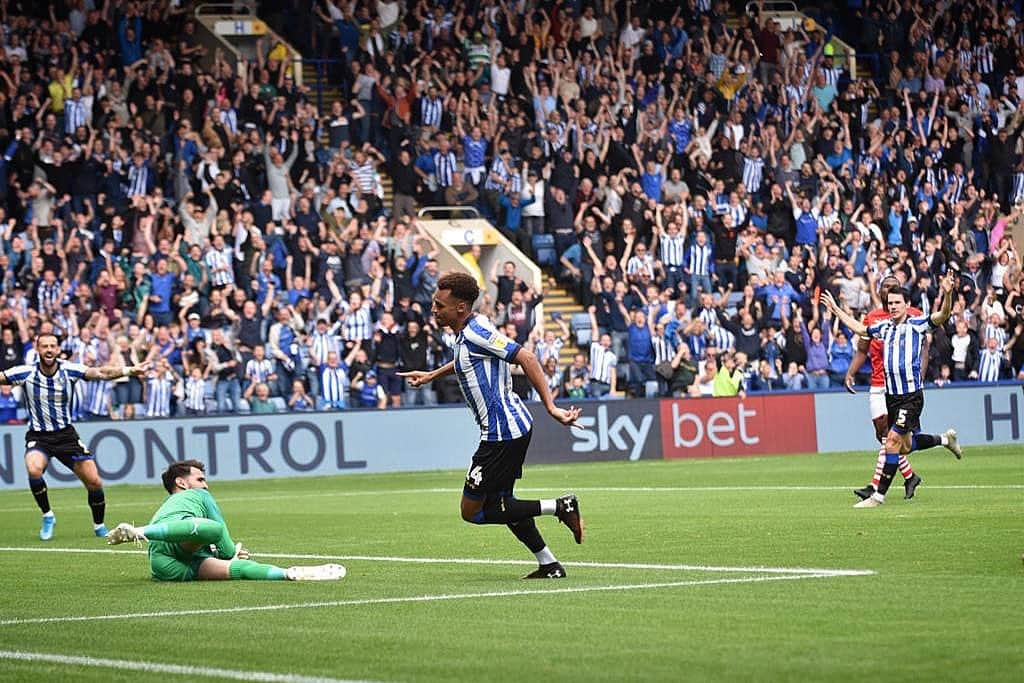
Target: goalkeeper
{"x": 189, "y": 539}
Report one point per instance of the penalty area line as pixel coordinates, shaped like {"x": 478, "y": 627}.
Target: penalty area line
{"x": 479, "y": 561}
{"x": 161, "y": 668}
{"x": 412, "y": 599}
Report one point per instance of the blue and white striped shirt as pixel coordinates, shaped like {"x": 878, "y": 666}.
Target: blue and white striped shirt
{"x": 195, "y": 394}
{"x": 989, "y": 363}
{"x": 215, "y": 261}
{"x": 321, "y": 344}
{"x": 602, "y": 363}
{"x": 699, "y": 259}
{"x": 334, "y": 384}
{"x": 723, "y": 339}
{"x": 444, "y": 168}
{"x": 74, "y": 115}
{"x": 48, "y": 398}
{"x": 901, "y": 352}
{"x": 259, "y": 370}
{"x": 673, "y": 250}
{"x": 753, "y": 172}
{"x": 97, "y": 396}
{"x": 544, "y": 351}
{"x": 158, "y": 395}
{"x": 358, "y": 324}
{"x": 430, "y": 111}
{"x": 482, "y": 366}
{"x": 138, "y": 177}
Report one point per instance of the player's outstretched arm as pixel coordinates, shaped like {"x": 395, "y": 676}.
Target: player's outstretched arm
{"x": 113, "y": 372}
{"x": 531, "y": 367}
{"x": 418, "y": 378}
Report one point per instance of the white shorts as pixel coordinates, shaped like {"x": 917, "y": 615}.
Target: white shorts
{"x": 876, "y": 402}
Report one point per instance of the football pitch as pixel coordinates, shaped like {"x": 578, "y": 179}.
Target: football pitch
{"x": 730, "y": 569}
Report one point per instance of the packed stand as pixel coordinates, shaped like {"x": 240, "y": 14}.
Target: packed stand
{"x": 700, "y": 184}
{"x": 697, "y": 182}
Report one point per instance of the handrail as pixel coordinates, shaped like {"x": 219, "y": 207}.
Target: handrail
{"x": 772, "y": 6}
{"x": 225, "y": 8}
{"x": 468, "y": 209}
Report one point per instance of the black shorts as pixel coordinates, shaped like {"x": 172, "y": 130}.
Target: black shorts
{"x": 496, "y": 466}
{"x": 905, "y": 412}
{"x": 63, "y": 444}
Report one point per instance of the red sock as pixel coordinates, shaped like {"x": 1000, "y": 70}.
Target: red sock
{"x": 879, "y": 464}
{"x": 905, "y": 469}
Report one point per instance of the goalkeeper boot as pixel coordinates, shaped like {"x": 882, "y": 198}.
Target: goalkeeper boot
{"x": 865, "y": 492}
{"x": 124, "y": 533}
{"x": 954, "y": 443}
{"x": 101, "y": 530}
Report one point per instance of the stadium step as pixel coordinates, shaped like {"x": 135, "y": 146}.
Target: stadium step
{"x": 558, "y": 300}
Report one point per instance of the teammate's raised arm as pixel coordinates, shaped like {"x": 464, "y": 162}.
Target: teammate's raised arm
{"x": 946, "y": 286}
{"x": 113, "y": 372}
{"x": 856, "y": 326}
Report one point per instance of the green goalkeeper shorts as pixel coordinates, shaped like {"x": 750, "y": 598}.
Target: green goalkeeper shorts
{"x": 169, "y": 562}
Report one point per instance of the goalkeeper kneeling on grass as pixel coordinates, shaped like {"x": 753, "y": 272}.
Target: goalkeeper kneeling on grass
{"x": 189, "y": 540}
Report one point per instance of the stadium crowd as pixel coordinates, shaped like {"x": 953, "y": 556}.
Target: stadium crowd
{"x": 694, "y": 179}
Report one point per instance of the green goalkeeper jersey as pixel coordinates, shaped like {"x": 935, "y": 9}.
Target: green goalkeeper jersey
{"x": 185, "y": 505}
{"x": 190, "y": 503}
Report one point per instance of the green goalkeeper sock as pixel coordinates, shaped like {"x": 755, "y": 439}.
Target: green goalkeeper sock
{"x": 254, "y": 571}
{"x": 193, "y": 530}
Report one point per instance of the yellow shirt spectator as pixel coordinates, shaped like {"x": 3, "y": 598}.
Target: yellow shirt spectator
{"x": 59, "y": 89}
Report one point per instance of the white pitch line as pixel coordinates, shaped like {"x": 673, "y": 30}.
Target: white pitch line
{"x": 472, "y": 560}
{"x": 160, "y": 668}
{"x": 410, "y": 598}
{"x": 579, "y": 489}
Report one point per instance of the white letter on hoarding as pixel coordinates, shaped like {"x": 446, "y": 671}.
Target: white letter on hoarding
{"x": 586, "y": 440}
{"x": 677, "y": 435}
{"x": 744, "y": 437}
{"x": 721, "y": 422}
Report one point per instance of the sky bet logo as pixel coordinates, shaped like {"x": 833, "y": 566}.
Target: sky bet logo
{"x": 623, "y": 433}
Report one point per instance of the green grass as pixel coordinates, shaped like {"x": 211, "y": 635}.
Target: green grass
{"x": 945, "y": 600}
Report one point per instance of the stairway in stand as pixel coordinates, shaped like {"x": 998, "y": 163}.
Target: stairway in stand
{"x": 330, "y": 95}
{"x": 557, "y": 299}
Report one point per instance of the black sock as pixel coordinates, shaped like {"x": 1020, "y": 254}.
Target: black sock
{"x": 506, "y": 510}
{"x": 923, "y": 442}
{"x": 98, "y": 503}
{"x": 38, "y": 488}
{"x": 527, "y": 533}
{"x": 888, "y": 472}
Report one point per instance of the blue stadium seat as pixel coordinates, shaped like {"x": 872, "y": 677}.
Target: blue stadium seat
{"x": 544, "y": 250}
{"x": 580, "y": 326}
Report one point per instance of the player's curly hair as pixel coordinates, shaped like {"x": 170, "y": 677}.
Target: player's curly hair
{"x": 463, "y": 286}
{"x": 179, "y": 469}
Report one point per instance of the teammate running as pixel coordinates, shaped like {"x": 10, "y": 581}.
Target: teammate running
{"x": 189, "y": 539}
{"x": 876, "y": 395}
{"x": 49, "y": 387}
{"x": 902, "y": 337}
{"x": 482, "y": 365}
